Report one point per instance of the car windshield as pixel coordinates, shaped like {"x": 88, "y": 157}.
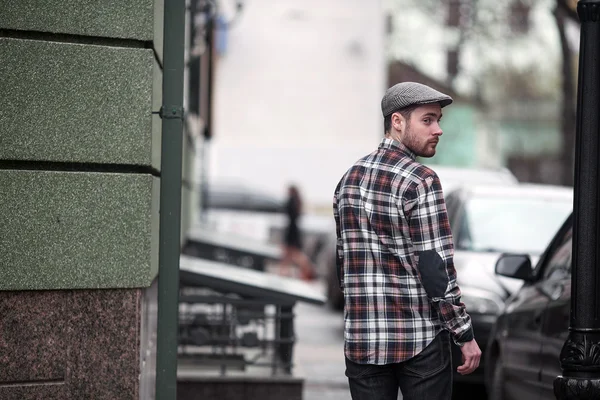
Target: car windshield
{"x": 512, "y": 224}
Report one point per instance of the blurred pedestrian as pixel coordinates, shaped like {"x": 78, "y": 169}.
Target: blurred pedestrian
{"x": 292, "y": 245}
{"x": 395, "y": 260}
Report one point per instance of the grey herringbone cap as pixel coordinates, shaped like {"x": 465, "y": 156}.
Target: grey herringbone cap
{"x": 406, "y": 94}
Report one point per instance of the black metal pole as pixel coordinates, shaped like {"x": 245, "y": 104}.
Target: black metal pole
{"x": 170, "y": 199}
{"x": 580, "y": 356}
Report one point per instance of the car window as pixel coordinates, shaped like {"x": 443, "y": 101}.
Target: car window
{"x": 464, "y": 239}
{"x": 558, "y": 265}
{"x": 451, "y": 205}
{"x": 510, "y": 224}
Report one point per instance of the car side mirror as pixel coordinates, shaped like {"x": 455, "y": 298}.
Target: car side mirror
{"x": 515, "y": 266}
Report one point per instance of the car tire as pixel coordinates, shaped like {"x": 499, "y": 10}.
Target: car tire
{"x": 496, "y": 391}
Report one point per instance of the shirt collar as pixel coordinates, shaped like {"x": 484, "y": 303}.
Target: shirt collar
{"x": 387, "y": 143}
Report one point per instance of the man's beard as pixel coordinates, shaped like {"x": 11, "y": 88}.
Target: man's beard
{"x": 411, "y": 141}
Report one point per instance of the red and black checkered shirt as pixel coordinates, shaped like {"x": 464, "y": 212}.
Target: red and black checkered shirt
{"x": 395, "y": 256}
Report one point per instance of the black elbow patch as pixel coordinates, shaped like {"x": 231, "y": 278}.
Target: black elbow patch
{"x": 433, "y": 273}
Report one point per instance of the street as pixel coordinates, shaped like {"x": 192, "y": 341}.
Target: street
{"x": 319, "y": 355}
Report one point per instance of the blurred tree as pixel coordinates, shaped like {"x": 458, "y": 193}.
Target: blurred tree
{"x": 567, "y": 9}
{"x": 495, "y": 52}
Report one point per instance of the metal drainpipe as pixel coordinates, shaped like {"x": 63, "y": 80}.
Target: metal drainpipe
{"x": 170, "y": 199}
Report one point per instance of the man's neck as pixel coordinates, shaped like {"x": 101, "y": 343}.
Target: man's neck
{"x": 401, "y": 145}
{"x": 389, "y": 135}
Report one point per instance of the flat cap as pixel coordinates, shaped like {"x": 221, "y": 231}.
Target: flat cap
{"x": 406, "y": 94}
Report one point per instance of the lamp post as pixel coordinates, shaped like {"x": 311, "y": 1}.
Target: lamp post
{"x": 580, "y": 356}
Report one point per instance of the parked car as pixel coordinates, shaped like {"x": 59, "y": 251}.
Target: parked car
{"x": 451, "y": 178}
{"x": 236, "y": 208}
{"x": 487, "y": 221}
{"x": 522, "y": 357}
{"x": 240, "y": 197}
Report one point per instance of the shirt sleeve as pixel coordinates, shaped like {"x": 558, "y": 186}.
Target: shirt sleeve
{"x": 339, "y": 248}
{"x": 434, "y": 251}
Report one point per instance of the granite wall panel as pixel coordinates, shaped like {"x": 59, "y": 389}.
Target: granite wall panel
{"x": 76, "y": 344}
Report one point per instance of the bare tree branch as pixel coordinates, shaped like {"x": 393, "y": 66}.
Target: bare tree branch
{"x": 568, "y": 107}
{"x": 569, "y": 8}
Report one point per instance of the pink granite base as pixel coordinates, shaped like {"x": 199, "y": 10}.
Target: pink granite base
{"x": 84, "y": 344}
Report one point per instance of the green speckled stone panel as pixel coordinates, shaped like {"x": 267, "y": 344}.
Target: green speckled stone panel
{"x": 127, "y": 19}
{"x": 159, "y": 22}
{"x": 75, "y": 103}
{"x": 72, "y": 230}
{"x": 155, "y": 227}
{"x": 156, "y": 120}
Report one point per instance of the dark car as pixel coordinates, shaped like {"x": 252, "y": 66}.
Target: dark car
{"x": 487, "y": 221}
{"x": 522, "y": 358}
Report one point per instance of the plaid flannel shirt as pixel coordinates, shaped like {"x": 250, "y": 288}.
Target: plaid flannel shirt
{"x": 395, "y": 258}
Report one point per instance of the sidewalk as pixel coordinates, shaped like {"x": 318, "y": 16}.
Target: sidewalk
{"x": 319, "y": 352}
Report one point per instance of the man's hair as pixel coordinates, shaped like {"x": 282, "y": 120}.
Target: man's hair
{"x": 406, "y": 113}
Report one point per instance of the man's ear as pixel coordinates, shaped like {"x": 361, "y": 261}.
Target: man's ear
{"x": 398, "y": 121}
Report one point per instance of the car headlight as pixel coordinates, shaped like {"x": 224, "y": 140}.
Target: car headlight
{"x": 481, "y": 302}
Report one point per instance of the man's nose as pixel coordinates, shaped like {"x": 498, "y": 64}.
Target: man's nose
{"x": 438, "y": 130}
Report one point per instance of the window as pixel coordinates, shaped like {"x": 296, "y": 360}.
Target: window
{"x": 559, "y": 263}
{"x": 451, "y": 201}
{"x": 519, "y": 17}
{"x": 513, "y": 224}
{"x": 452, "y": 204}
{"x": 458, "y": 13}
{"x": 452, "y": 60}
{"x": 465, "y": 241}
{"x": 453, "y": 13}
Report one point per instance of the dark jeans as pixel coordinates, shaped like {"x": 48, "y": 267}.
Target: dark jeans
{"x": 428, "y": 375}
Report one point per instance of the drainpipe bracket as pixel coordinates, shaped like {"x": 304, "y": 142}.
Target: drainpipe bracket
{"x": 170, "y": 112}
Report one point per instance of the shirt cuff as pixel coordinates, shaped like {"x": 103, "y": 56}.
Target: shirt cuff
{"x": 464, "y": 337}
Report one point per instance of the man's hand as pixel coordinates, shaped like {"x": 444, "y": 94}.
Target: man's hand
{"x": 471, "y": 355}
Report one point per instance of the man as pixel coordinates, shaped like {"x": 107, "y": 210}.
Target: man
{"x": 394, "y": 249}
